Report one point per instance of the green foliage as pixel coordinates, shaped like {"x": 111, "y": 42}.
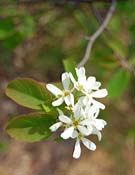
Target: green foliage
{"x": 69, "y": 66}
{"x": 118, "y": 83}
{"x": 13, "y": 33}
{"x": 117, "y": 46}
{"x": 28, "y": 93}
{"x": 30, "y": 127}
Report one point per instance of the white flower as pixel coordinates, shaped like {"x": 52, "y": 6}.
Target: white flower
{"x": 64, "y": 95}
{"x": 75, "y": 123}
{"x": 89, "y": 87}
{"x": 81, "y": 82}
{"x": 91, "y": 114}
{"x": 81, "y": 138}
{"x": 90, "y": 95}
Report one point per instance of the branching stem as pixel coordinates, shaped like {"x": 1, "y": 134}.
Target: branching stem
{"x": 93, "y": 38}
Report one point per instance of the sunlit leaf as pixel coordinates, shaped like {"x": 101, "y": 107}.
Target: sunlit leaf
{"x": 28, "y": 93}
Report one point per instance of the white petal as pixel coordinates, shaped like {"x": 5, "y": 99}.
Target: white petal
{"x": 55, "y": 126}
{"x": 60, "y": 111}
{"x": 99, "y": 93}
{"x": 85, "y": 122}
{"x": 89, "y": 124}
{"x": 80, "y": 72}
{"x": 90, "y": 145}
{"x": 58, "y": 102}
{"x": 100, "y": 124}
{"x": 69, "y": 100}
{"x": 53, "y": 89}
{"x": 83, "y": 130}
{"x": 81, "y": 101}
{"x": 96, "y": 113}
{"x": 72, "y": 99}
{"x": 86, "y": 100}
{"x": 97, "y": 85}
{"x": 77, "y": 150}
{"x": 67, "y": 133}
{"x": 98, "y": 104}
{"x": 81, "y": 75}
{"x": 91, "y": 79}
{"x": 82, "y": 113}
{"x": 77, "y": 111}
{"x": 65, "y": 80}
{"x": 65, "y": 119}
{"x": 93, "y": 111}
{"x": 72, "y": 78}
{"x": 74, "y": 134}
{"x": 92, "y": 83}
{"x": 98, "y": 133}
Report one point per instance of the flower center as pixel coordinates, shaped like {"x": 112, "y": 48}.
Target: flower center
{"x": 80, "y": 136}
{"x": 66, "y": 93}
{"x": 70, "y": 108}
{"x": 80, "y": 87}
{"x": 75, "y": 123}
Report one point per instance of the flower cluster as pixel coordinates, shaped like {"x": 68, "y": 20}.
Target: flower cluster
{"x": 80, "y": 120}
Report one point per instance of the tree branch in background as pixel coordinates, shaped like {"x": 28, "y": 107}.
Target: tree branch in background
{"x": 93, "y": 38}
{"x": 123, "y": 61}
{"x": 98, "y": 15}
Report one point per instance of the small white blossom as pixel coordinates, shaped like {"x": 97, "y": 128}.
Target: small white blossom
{"x": 73, "y": 123}
{"x": 61, "y": 95}
{"x": 87, "y": 143}
{"x": 90, "y": 114}
{"x": 89, "y": 87}
{"x": 81, "y": 82}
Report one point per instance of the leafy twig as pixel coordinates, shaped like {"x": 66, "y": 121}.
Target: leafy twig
{"x": 93, "y": 38}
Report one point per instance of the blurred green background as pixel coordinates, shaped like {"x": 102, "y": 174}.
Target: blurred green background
{"x": 35, "y": 40}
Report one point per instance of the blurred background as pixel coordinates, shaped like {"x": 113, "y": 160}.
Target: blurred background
{"x": 35, "y": 40}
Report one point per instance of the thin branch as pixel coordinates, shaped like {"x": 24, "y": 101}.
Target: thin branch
{"x": 123, "y": 61}
{"x": 98, "y": 15}
{"x": 93, "y": 38}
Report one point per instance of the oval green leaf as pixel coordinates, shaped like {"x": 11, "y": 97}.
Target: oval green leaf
{"x": 28, "y": 93}
{"x": 118, "y": 83}
{"x": 30, "y": 127}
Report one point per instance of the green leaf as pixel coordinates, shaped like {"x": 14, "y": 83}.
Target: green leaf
{"x": 69, "y": 66}
{"x": 28, "y": 93}
{"x": 30, "y": 127}
{"x": 118, "y": 83}
{"x": 117, "y": 46}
